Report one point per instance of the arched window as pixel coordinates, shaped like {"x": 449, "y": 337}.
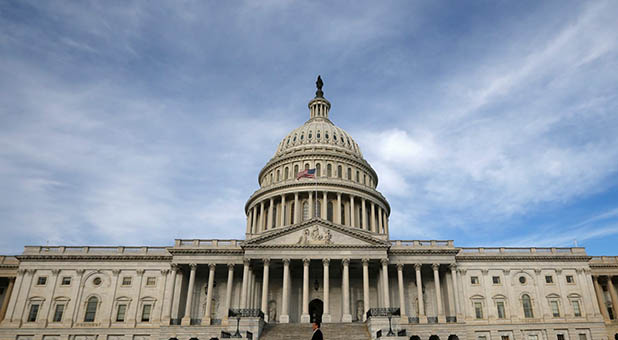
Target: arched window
{"x": 318, "y": 135}
{"x": 318, "y": 167}
{"x": 285, "y": 174}
{"x": 527, "y": 305}
{"x": 349, "y": 174}
{"x": 278, "y": 175}
{"x": 91, "y": 309}
{"x": 339, "y": 171}
{"x": 271, "y": 178}
{"x": 329, "y": 211}
{"x": 365, "y": 179}
{"x": 305, "y": 211}
{"x": 306, "y": 166}
{"x": 318, "y": 208}
{"x": 310, "y": 134}
{"x": 296, "y": 170}
{"x": 357, "y": 176}
{"x": 329, "y": 170}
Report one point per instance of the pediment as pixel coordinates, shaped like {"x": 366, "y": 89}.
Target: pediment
{"x": 317, "y": 233}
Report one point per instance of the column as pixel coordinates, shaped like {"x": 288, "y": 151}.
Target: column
{"x": 245, "y": 281}
{"x": 365, "y": 287}
{"x": 271, "y": 218}
{"x": 304, "y": 318}
{"x": 402, "y": 300}
{"x": 380, "y": 225}
{"x": 249, "y": 221}
{"x": 364, "y": 213}
{"x": 540, "y": 283}
{"x": 211, "y": 280}
{"x": 347, "y": 317}
{"x": 296, "y": 209}
{"x": 352, "y": 211}
{"x": 167, "y": 313}
{"x": 326, "y": 313}
{"x": 566, "y": 312}
{"x": 419, "y": 291}
{"x": 600, "y": 297}
{"x": 228, "y": 292}
{"x": 324, "y": 205}
{"x": 264, "y": 305}
{"x": 250, "y": 280}
{"x": 311, "y": 207}
{"x": 54, "y": 281}
{"x": 253, "y": 219}
{"x": 612, "y": 294}
{"x": 338, "y": 210}
{"x": 587, "y": 297}
{"x": 283, "y": 210}
{"x": 373, "y": 217}
{"x": 140, "y": 274}
{"x": 387, "y": 302}
{"x": 7, "y": 297}
{"x": 19, "y": 282}
{"x": 436, "y": 279}
{"x": 262, "y": 219}
{"x": 455, "y": 310}
{"x": 285, "y": 317}
{"x": 385, "y": 223}
{"x": 486, "y": 283}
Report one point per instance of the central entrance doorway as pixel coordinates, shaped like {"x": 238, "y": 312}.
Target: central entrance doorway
{"x": 316, "y": 309}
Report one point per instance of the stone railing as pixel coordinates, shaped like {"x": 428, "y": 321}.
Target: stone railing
{"x": 604, "y": 260}
{"x": 423, "y": 243}
{"x": 8, "y": 260}
{"x": 93, "y": 250}
{"x": 522, "y": 251}
{"x": 206, "y": 243}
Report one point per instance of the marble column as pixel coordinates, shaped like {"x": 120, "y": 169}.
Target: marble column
{"x": 296, "y": 213}
{"x": 285, "y": 317}
{"x": 586, "y": 296}
{"x": 326, "y": 312}
{"x": 245, "y": 283}
{"x": 612, "y": 294}
{"x": 352, "y": 222}
{"x": 249, "y": 221}
{"x": 211, "y": 280}
{"x": 380, "y": 225}
{"x": 456, "y": 307}
{"x": 436, "y": 279}
{"x": 338, "y": 216}
{"x": 373, "y": 217}
{"x": 325, "y": 205}
{"x": 264, "y": 305}
{"x": 419, "y": 291}
{"x": 271, "y": 218}
{"x": 311, "y": 205}
{"x": 186, "y": 320}
{"x": 253, "y": 220}
{"x": 600, "y": 297}
{"x": 347, "y": 317}
{"x": 228, "y": 291}
{"x": 387, "y": 302}
{"x": 402, "y": 299}
{"x": 364, "y": 213}
{"x": 304, "y": 318}
{"x": 54, "y": 282}
{"x": 282, "y": 210}
{"x": 385, "y": 223}
{"x": 250, "y": 288}
{"x": 262, "y": 219}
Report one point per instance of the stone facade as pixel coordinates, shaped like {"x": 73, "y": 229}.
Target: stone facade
{"x": 315, "y": 248}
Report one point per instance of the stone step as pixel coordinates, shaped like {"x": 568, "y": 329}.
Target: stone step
{"x": 303, "y": 331}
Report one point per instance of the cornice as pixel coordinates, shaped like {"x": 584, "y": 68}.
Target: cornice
{"x": 533, "y": 258}
{"x": 118, "y": 258}
{"x": 424, "y": 251}
{"x": 316, "y": 246}
{"x": 178, "y": 251}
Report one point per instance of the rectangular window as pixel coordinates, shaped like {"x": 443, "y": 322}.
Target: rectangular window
{"x": 34, "y": 310}
{"x": 533, "y": 337}
{"x": 482, "y": 337}
{"x": 500, "y": 306}
{"x": 504, "y": 337}
{"x": 570, "y": 279}
{"x": 41, "y": 281}
{"x": 126, "y": 281}
{"x": 555, "y": 310}
{"x": 474, "y": 280}
{"x": 478, "y": 309}
{"x": 146, "y": 313}
{"x": 549, "y": 279}
{"x": 122, "y": 310}
{"x": 576, "y": 310}
{"x": 66, "y": 280}
{"x": 151, "y": 281}
{"x": 560, "y": 337}
{"x": 58, "y": 312}
{"x": 496, "y": 280}
{"x": 582, "y": 336}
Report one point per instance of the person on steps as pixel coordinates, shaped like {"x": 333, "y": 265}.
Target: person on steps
{"x": 317, "y": 333}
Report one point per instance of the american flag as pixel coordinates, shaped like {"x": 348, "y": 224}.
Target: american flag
{"x": 307, "y": 173}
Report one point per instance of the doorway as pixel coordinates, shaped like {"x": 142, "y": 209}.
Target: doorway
{"x": 316, "y": 309}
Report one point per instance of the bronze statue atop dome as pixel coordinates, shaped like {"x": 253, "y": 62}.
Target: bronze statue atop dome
{"x": 319, "y": 83}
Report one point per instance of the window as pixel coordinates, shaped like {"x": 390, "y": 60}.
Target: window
{"x": 559, "y": 336}
{"x": 278, "y": 175}
{"x": 295, "y": 170}
{"x": 527, "y": 305}
{"x": 318, "y": 170}
{"x": 482, "y": 337}
{"x": 549, "y": 279}
{"x": 151, "y": 281}
{"x": 286, "y": 173}
{"x": 41, "y": 281}
{"x": 339, "y": 171}
{"x": 357, "y": 176}
{"x": 318, "y": 135}
{"x": 522, "y": 280}
{"x": 500, "y": 307}
{"x": 349, "y": 174}
{"x": 555, "y": 310}
{"x": 478, "y": 310}
{"x": 146, "y": 312}
{"x": 533, "y": 337}
{"x": 126, "y": 281}
{"x": 582, "y": 336}
{"x": 91, "y": 309}
{"x": 576, "y": 309}
{"x": 495, "y": 280}
{"x": 66, "y": 280}
{"x": 34, "y": 310}
{"x": 58, "y": 312}
{"x": 504, "y": 337}
{"x": 329, "y": 170}
{"x": 474, "y": 280}
{"x": 310, "y": 134}
{"x": 570, "y": 279}
{"x": 122, "y": 310}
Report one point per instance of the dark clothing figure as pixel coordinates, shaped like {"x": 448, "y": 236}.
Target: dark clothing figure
{"x": 317, "y": 335}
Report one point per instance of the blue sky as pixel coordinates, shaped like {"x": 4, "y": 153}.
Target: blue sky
{"x": 493, "y": 123}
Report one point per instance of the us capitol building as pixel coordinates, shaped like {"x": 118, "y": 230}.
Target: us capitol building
{"x": 315, "y": 249}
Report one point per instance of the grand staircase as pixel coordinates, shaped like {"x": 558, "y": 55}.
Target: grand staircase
{"x": 331, "y": 331}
